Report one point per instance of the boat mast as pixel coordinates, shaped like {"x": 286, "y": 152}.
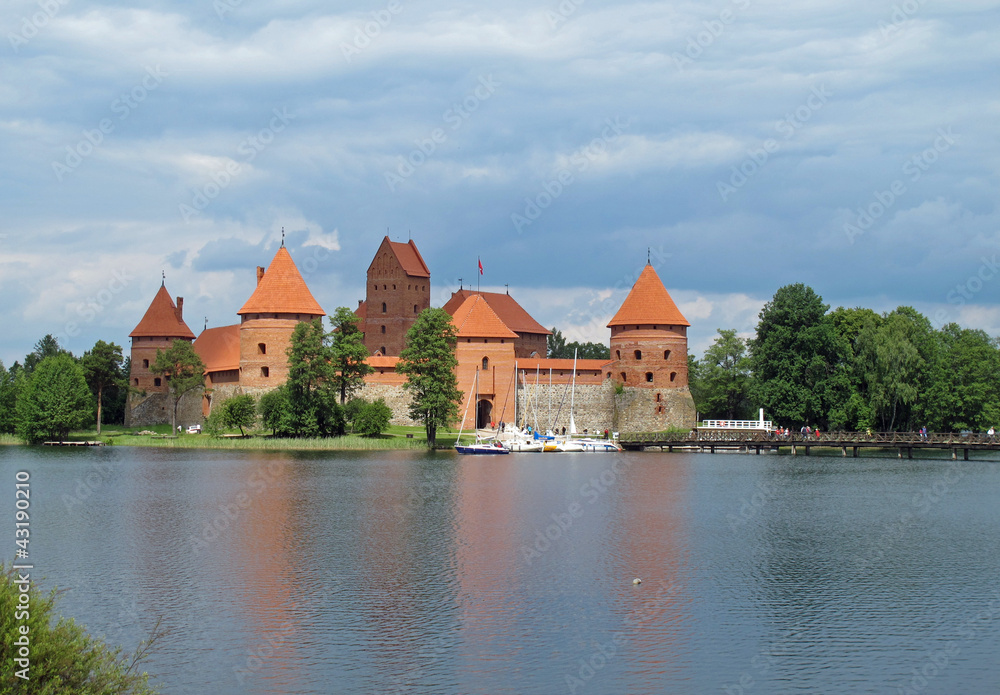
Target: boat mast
{"x": 572, "y": 394}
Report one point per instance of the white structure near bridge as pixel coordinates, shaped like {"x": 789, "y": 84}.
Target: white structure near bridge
{"x": 760, "y": 425}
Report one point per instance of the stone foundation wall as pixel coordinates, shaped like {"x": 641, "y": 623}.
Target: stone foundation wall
{"x": 156, "y": 409}
{"x": 638, "y": 410}
{"x": 593, "y": 406}
{"x": 396, "y": 397}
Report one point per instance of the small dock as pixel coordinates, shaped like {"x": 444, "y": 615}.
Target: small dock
{"x": 72, "y": 443}
{"x": 756, "y": 442}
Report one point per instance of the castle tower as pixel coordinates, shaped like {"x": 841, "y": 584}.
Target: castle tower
{"x": 485, "y": 348}
{"x": 399, "y": 288}
{"x": 162, "y": 323}
{"x": 532, "y": 337}
{"x": 279, "y": 303}
{"x": 649, "y": 359}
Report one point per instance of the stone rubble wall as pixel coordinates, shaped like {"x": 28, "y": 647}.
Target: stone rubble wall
{"x": 593, "y": 406}
{"x": 156, "y": 408}
{"x": 637, "y": 410}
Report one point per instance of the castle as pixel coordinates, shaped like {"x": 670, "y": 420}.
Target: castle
{"x": 503, "y": 369}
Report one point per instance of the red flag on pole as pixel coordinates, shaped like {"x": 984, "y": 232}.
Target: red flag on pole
{"x": 480, "y": 267}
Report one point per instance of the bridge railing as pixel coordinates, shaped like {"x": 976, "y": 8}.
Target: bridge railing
{"x": 766, "y": 425}
{"x": 837, "y": 438}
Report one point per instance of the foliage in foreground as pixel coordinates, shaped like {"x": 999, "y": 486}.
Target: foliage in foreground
{"x": 63, "y": 658}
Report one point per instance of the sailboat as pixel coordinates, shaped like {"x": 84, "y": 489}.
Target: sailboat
{"x": 482, "y": 445}
{"x": 569, "y": 444}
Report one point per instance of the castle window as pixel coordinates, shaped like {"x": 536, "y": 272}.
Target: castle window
{"x": 137, "y": 381}
{"x": 409, "y": 287}
{"x": 145, "y": 364}
{"x": 157, "y": 381}
{"x": 261, "y": 349}
{"x": 659, "y": 397}
{"x": 618, "y": 354}
{"x": 623, "y": 378}
{"x": 414, "y": 308}
{"x": 385, "y": 287}
{"x": 382, "y": 349}
{"x": 468, "y": 340}
{"x": 609, "y": 375}
{"x": 265, "y": 372}
{"x": 486, "y": 363}
{"x": 638, "y": 354}
{"x": 649, "y": 377}
{"x": 423, "y": 287}
{"x": 673, "y": 375}
{"x": 666, "y": 354}
{"x": 383, "y": 329}
{"x": 383, "y": 307}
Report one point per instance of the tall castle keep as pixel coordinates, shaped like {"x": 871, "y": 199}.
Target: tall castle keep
{"x": 503, "y": 369}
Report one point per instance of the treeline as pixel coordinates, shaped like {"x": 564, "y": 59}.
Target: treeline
{"x": 52, "y": 392}
{"x": 850, "y": 369}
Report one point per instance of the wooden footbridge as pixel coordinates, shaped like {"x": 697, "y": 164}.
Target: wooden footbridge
{"x": 713, "y": 440}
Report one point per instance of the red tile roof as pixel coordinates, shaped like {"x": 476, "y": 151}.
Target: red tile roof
{"x": 161, "y": 320}
{"x": 475, "y": 319}
{"x": 219, "y": 348}
{"x": 382, "y": 361}
{"x": 648, "y": 303}
{"x": 282, "y": 290}
{"x": 544, "y": 364}
{"x": 408, "y": 256}
{"x": 510, "y": 312}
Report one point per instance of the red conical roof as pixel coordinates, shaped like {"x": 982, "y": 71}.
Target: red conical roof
{"x": 161, "y": 319}
{"x": 282, "y": 290}
{"x": 648, "y": 303}
{"x": 475, "y": 319}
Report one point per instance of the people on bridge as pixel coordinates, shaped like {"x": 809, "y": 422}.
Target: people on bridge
{"x": 992, "y": 434}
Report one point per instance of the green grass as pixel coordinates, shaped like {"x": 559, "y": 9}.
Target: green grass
{"x": 395, "y": 438}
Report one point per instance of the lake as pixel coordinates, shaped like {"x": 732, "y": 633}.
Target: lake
{"x": 400, "y": 572}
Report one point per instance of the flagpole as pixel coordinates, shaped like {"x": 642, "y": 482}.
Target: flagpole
{"x": 479, "y": 274}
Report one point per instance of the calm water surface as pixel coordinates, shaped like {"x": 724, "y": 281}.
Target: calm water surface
{"x": 431, "y": 573}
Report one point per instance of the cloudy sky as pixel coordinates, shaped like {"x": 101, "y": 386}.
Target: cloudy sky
{"x": 747, "y": 144}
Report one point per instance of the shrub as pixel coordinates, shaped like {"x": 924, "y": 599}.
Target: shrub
{"x": 352, "y": 409}
{"x": 373, "y": 419}
{"x": 63, "y": 658}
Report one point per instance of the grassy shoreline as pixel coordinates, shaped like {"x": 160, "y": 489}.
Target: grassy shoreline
{"x": 397, "y": 438}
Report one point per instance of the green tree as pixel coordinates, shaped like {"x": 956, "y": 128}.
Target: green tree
{"x": 793, "y": 357}
{"x": 893, "y": 356}
{"x": 963, "y": 390}
{"x": 8, "y": 400}
{"x": 275, "y": 411}
{"x": 238, "y": 412}
{"x": 850, "y": 406}
{"x": 348, "y": 353}
{"x": 102, "y": 367}
{"x": 48, "y": 346}
{"x": 64, "y": 658}
{"x": 557, "y": 344}
{"x": 183, "y": 370}
{"x": 312, "y": 391}
{"x": 429, "y": 362}
{"x": 724, "y": 378}
{"x": 373, "y": 419}
{"x": 54, "y": 401}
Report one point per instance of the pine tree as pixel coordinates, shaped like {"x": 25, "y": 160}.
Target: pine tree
{"x": 102, "y": 367}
